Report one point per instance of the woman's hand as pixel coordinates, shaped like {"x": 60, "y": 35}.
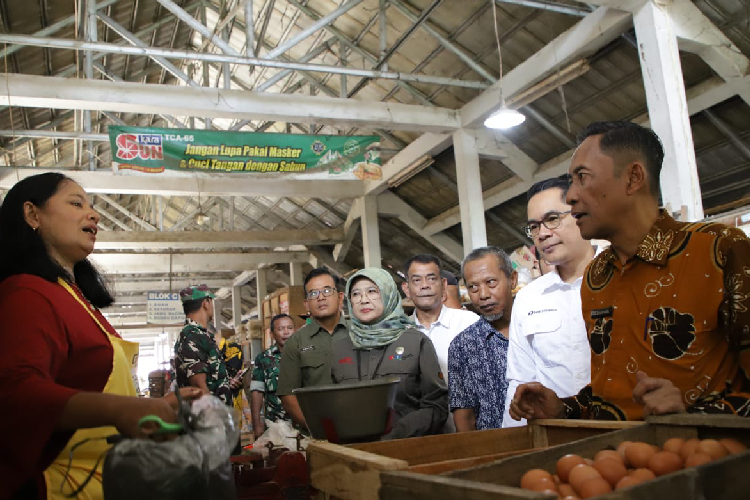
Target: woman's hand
{"x": 186, "y": 393}
{"x": 165, "y": 408}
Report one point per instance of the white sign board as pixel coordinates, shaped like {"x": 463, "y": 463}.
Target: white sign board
{"x": 164, "y": 308}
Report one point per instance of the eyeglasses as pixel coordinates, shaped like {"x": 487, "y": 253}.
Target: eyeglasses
{"x": 314, "y": 294}
{"x": 372, "y": 294}
{"x": 551, "y": 221}
{"x": 187, "y": 292}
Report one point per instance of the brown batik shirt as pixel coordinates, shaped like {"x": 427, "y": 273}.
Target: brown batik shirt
{"x": 679, "y": 310}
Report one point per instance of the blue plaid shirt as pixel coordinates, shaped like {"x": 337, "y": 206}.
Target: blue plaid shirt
{"x": 477, "y": 360}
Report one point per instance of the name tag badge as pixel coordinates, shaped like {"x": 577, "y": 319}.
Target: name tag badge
{"x": 307, "y": 348}
{"x": 604, "y": 312}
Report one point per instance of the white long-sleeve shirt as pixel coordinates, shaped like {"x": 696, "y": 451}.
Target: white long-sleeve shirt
{"x": 450, "y": 323}
{"x": 548, "y": 341}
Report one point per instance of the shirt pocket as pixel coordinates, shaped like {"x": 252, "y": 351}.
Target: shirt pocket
{"x": 545, "y": 334}
{"x": 310, "y": 360}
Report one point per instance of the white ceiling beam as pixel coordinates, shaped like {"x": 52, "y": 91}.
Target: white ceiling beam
{"x": 584, "y": 38}
{"x": 113, "y": 263}
{"x": 71, "y": 93}
{"x": 493, "y": 144}
{"x": 115, "y": 240}
{"x": 390, "y": 204}
{"x": 148, "y": 285}
{"x": 127, "y": 212}
{"x": 697, "y": 34}
{"x": 351, "y": 224}
{"x": 217, "y": 185}
{"x": 699, "y": 97}
{"x": 426, "y": 144}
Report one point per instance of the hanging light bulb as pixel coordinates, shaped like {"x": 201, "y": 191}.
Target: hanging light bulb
{"x": 201, "y": 218}
{"x": 504, "y": 118}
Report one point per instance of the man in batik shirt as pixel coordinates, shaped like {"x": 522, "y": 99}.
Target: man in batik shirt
{"x": 667, "y": 306}
{"x": 265, "y": 378}
{"x": 198, "y": 360}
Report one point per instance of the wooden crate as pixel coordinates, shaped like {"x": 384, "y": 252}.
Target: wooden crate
{"x": 288, "y": 300}
{"x": 354, "y": 472}
{"x": 723, "y": 479}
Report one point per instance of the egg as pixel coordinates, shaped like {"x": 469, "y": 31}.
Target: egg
{"x": 643, "y": 474}
{"x": 674, "y": 445}
{"x": 711, "y": 447}
{"x": 593, "y": 487}
{"x": 733, "y": 446}
{"x": 579, "y": 474}
{"x": 697, "y": 459}
{"x": 665, "y": 462}
{"x": 565, "y": 464}
{"x": 544, "y": 485}
{"x": 621, "y": 448}
{"x": 638, "y": 454}
{"x": 610, "y": 469}
{"x": 628, "y": 481}
{"x": 566, "y": 490}
{"x": 609, "y": 454}
{"x": 570, "y": 497}
{"x": 689, "y": 447}
{"x": 533, "y": 476}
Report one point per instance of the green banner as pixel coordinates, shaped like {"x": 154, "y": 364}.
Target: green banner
{"x": 158, "y": 150}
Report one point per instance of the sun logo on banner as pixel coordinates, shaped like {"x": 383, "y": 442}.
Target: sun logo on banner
{"x": 318, "y": 147}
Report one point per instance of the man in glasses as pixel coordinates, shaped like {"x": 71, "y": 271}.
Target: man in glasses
{"x": 306, "y": 358}
{"x": 548, "y": 342}
{"x": 198, "y": 360}
{"x": 666, "y": 306}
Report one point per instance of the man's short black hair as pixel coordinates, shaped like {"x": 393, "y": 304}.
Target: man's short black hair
{"x": 561, "y": 183}
{"x": 624, "y": 136}
{"x": 191, "y": 306}
{"x": 277, "y": 317}
{"x": 423, "y": 258}
{"x": 319, "y": 271}
{"x": 450, "y": 278}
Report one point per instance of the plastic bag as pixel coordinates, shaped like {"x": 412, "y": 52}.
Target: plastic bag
{"x": 194, "y": 465}
{"x": 280, "y": 434}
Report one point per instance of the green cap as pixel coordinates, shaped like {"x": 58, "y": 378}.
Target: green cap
{"x": 196, "y": 292}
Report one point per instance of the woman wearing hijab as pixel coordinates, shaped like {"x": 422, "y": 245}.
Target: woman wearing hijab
{"x": 383, "y": 342}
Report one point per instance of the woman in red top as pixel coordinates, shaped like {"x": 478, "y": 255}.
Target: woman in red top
{"x": 64, "y": 371}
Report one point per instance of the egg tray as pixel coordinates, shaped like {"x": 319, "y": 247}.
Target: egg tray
{"x": 353, "y": 472}
{"x": 723, "y": 479}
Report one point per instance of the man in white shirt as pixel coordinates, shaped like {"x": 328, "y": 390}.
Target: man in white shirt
{"x": 548, "y": 341}
{"x": 425, "y": 286}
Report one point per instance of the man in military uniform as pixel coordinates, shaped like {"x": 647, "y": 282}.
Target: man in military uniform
{"x": 265, "y": 378}
{"x": 198, "y": 360}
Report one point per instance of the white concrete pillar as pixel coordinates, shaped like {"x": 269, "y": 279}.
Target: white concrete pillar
{"x": 295, "y": 274}
{"x": 470, "y": 199}
{"x": 370, "y": 231}
{"x": 667, "y": 108}
{"x": 237, "y": 307}
{"x": 256, "y": 346}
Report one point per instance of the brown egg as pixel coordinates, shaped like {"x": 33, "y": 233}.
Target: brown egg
{"x": 610, "y": 469}
{"x": 593, "y": 487}
{"x": 621, "y": 448}
{"x": 689, "y": 447}
{"x": 628, "y": 481}
{"x": 697, "y": 459}
{"x": 533, "y": 476}
{"x": 556, "y": 479}
{"x": 643, "y": 474}
{"x": 579, "y": 474}
{"x": 665, "y": 462}
{"x": 711, "y": 447}
{"x": 544, "y": 484}
{"x": 609, "y": 454}
{"x": 588, "y": 461}
{"x": 733, "y": 446}
{"x": 638, "y": 454}
{"x": 566, "y": 490}
{"x": 570, "y": 497}
{"x": 674, "y": 445}
{"x": 565, "y": 464}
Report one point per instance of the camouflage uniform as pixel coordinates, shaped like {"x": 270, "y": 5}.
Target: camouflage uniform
{"x": 196, "y": 352}
{"x": 266, "y": 380}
